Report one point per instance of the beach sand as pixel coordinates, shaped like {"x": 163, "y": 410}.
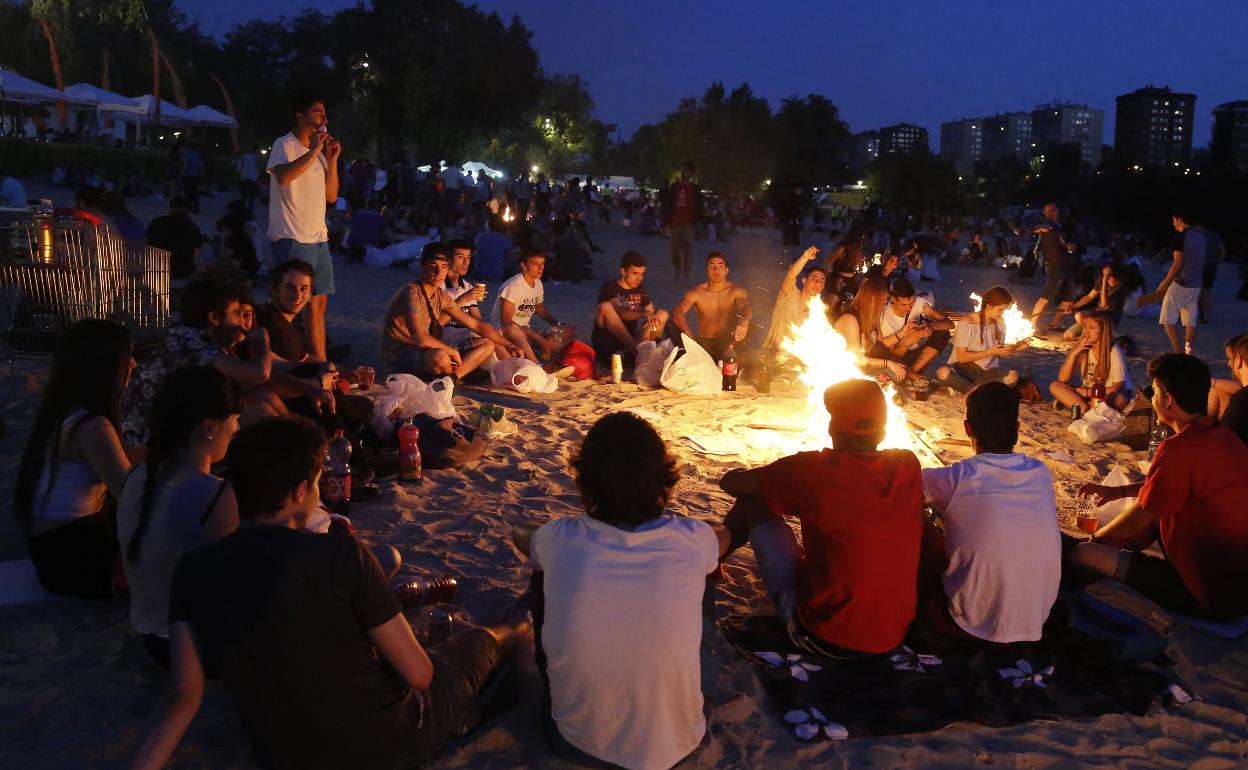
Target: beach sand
{"x": 77, "y": 687}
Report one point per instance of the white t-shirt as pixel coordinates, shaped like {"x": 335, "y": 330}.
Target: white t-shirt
{"x": 966, "y": 335}
{"x": 526, "y": 298}
{"x": 622, "y": 632}
{"x": 453, "y": 293}
{"x": 891, "y": 323}
{"x": 297, "y": 210}
{"x": 1004, "y": 544}
{"x": 1118, "y": 370}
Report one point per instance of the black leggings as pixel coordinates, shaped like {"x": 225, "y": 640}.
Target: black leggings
{"x": 78, "y": 558}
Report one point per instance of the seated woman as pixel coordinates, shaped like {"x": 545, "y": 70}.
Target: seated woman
{"x": 1097, "y": 360}
{"x": 74, "y": 460}
{"x": 617, "y": 605}
{"x": 172, "y": 502}
{"x": 978, "y": 346}
{"x": 860, "y": 326}
{"x": 1223, "y": 390}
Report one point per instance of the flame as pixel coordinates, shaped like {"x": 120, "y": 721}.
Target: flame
{"x": 507, "y": 215}
{"x": 1017, "y": 326}
{"x": 826, "y": 360}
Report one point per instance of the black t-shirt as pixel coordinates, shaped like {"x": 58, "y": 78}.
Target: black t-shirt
{"x": 1236, "y": 415}
{"x": 625, "y": 300}
{"x": 281, "y": 616}
{"x": 285, "y": 339}
{"x": 180, "y": 236}
{"x": 1051, "y": 245}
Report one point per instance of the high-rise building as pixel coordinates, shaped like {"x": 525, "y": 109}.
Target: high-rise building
{"x": 902, "y": 138}
{"x": 864, "y": 149}
{"x": 961, "y": 143}
{"x": 1153, "y": 127}
{"x": 1006, "y": 135}
{"x": 1230, "y": 135}
{"x": 1058, "y": 123}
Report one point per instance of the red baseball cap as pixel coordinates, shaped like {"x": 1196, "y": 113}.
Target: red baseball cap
{"x": 857, "y": 407}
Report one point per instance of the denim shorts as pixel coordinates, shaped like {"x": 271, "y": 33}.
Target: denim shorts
{"x": 315, "y": 254}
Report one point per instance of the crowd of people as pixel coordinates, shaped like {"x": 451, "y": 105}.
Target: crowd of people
{"x": 189, "y": 481}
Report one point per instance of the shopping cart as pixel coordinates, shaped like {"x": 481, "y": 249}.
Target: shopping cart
{"x": 54, "y": 272}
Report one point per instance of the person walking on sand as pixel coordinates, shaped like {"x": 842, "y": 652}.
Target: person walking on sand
{"x": 682, "y": 206}
{"x": 1180, "y": 289}
{"x": 722, "y": 306}
{"x": 303, "y": 178}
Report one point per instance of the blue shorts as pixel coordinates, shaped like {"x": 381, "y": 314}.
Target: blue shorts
{"x": 315, "y": 254}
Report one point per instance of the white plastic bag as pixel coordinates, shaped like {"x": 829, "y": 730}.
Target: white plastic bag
{"x": 650, "y": 359}
{"x": 407, "y": 396}
{"x": 693, "y": 372}
{"x": 1110, "y": 511}
{"x": 522, "y": 375}
{"x": 1101, "y": 423}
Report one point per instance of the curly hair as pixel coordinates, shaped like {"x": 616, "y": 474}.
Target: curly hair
{"x": 624, "y": 471}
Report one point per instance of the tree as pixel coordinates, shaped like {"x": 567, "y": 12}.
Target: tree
{"x": 815, "y": 141}
{"x": 917, "y": 181}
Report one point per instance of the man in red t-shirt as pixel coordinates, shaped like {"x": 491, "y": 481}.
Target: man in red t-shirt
{"x": 1194, "y": 500}
{"x": 851, "y": 590}
{"x": 682, "y": 210}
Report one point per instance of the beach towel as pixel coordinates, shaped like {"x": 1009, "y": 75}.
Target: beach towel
{"x": 930, "y": 682}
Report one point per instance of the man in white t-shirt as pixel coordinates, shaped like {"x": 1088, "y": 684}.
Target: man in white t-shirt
{"x": 921, "y": 331}
{"x": 519, "y": 299}
{"x": 617, "y": 605}
{"x": 993, "y": 573}
{"x": 303, "y": 178}
{"x": 461, "y": 291}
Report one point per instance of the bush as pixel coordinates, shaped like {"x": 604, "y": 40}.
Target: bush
{"x": 22, "y": 157}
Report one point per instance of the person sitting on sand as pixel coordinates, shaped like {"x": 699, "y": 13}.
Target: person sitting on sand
{"x": 172, "y": 502}
{"x": 978, "y": 346}
{"x": 1109, "y": 294}
{"x": 1222, "y": 391}
{"x": 859, "y": 324}
{"x": 412, "y": 333}
{"x": 849, "y": 588}
{"x": 920, "y": 330}
{"x": 459, "y": 289}
{"x": 626, "y": 316}
{"x": 994, "y": 572}
{"x": 306, "y": 634}
{"x": 722, "y": 306}
{"x": 1097, "y": 360}
{"x": 616, "y": 600}
{"x": 519, "y": 299}
{"x": 74, "y": 460}
{"x": 1192, "y": 500}
{"x": 793, "y": 304}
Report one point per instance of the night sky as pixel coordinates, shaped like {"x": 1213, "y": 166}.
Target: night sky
{"x": 881, "y": 63}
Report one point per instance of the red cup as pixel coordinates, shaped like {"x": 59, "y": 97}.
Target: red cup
{"x": 365, "y": 376}
{"x": 1088, "y": 524}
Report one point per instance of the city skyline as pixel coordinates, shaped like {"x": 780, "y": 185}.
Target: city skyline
{"x": 880, "y": 65}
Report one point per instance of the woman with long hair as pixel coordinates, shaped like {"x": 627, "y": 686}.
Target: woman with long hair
{"x": 172, "y": 502}
{"x": 1093, "y": 359}
{"x": 978, "y": 346}
{"x": 74, "y": 460}
{"x": 860, "y": 326}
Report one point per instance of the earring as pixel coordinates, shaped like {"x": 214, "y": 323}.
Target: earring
{"x": 211, "y": 436}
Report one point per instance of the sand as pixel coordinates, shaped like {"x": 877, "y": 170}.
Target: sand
{"x": 77, "y": 686}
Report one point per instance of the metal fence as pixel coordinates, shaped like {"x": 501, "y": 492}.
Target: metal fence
{"x": 54, "y": 272}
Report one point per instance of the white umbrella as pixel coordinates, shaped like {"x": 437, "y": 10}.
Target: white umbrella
{"x": 105, "y": 101}
{"x": 207, "y": 116}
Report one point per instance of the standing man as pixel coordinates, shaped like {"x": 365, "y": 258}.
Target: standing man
{"x": 1056, "y": 250}
{"x": 1180, "y": 289}
{"x": 192, "y": 172}
{"x": 303, "y": 177}
{"x": 248, "y": 173}
{"x": 682, "y": 210}
{"x": 1215, "y": 252}
{"x": 626, "y": 316}
{"x": 723, "y": 309}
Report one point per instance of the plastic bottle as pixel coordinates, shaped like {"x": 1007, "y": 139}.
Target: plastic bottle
{"x": 1159, "y": 433}
{"x": 425, "y": 589}
{"x": 1098, "y": 393}
{"x": 729, "y": 368}
{"x": 336, "y": 475}
{"x": 409, "y": 452}
{"x": 762, "y": 375}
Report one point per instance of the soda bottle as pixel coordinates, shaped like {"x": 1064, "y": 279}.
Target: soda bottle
{"x": 409, "y": 452}
{"x": 336, "y": 475}
{"x": 762, "y": 376}
{"x": 729, "y": 368}
{"x": 1159, "y": 433}
{"x": 1098, "y": 393}
{"x": 425, "y": 589}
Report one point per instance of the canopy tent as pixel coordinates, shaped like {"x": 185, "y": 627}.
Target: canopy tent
{"x": 617, "y": 182}
{"x": 207, "y": 116}
{"x": 14, "y": 87}
{"x": 169, "y": 113}
{"x": 105, "y": 101}
{"x": 472, "y": 167}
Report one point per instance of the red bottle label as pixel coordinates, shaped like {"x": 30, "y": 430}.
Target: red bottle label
{"x": 730, "y": 368}
{"x": 338, "y": 487}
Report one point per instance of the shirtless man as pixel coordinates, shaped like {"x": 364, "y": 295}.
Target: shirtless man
{"x": 723, "y": 309}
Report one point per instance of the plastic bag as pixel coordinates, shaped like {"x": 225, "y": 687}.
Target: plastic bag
{"x": 407, "y": 396}
{"x": 650, "y": 359}
{"x": 522, "y": 375}
{"x": 580, "y": 357}
{"x": 691, "y": 370}
{"x": 1101, "y": 423}
{"x": 1110, "y": 511}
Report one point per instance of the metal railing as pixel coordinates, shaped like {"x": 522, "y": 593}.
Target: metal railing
{"x": 54, "y": 272}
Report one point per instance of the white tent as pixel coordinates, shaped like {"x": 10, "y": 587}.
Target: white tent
{"x": 14, "y": 87}
{"x": 472, "y": 167}
{"x": 207, "y": 116}
{"x": 105, "y": 101}
{"x": 169, "y": 113}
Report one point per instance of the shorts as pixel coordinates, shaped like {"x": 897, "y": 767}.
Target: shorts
{"x": 315, "y": 254}
{"x": 1057, "y": 284}
{"x": 1180, "y": 304}
{"x": 1160, "y": 581}
{"x": 411, "y": 359}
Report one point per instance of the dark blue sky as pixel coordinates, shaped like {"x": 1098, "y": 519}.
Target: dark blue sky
{"x": 881, "y": 62}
